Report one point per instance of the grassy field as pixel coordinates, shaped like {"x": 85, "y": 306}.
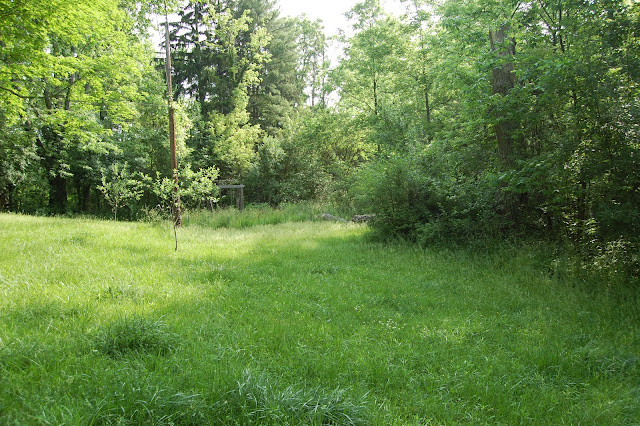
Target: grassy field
{"x": 298, "y": 323}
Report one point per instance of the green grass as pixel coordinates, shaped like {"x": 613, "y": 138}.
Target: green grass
{"x": 298, "y": 323}
{"x": 253, "y": 215}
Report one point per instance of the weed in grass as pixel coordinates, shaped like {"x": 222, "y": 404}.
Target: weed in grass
{"x": 258, "y": 400}
{"x": 135, "y": 335}
{"x": 120, "y": 292}
{"x": 20, "y": 355}
{"x": 77, "y": 239}
{"x": 41, "y": 312}
{"x": 142, "y": 403}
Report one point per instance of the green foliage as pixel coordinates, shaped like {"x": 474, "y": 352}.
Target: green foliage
{"x": 420, "y": 200}
{"x": 17, "y": 156}
{"x": 219, "y": 45}
{"x": 195, "y": 189}
{"x": 314, "y": 62}
{"x": 554, "y": 154}
{"x": 280, "y": 89}
{"x": 508, "y": 117}
{"x": 120, "y": 186}
{"x": 286, "y": 171}
{"x": 309, "y": 160}
{"x": 234, "y": 139}
{"x": 71, "y": 78}
{"x": 374, "y": 62}
{"x": 267, "y": 174}
{"x": 224, "y": 137}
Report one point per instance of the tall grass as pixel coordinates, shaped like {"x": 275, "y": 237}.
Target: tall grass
{"x": 299, "y": 323}
{"x": 253, "y": 215}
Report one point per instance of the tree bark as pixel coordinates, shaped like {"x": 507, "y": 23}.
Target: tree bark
{"x": 375, "y": 95}
{"x": 50, "y": 149}
{"x": 426, "y": 105}
{"x": 502, "y": 81}
{"x": 4, "y": 201}
{"x": 83, "y": 190}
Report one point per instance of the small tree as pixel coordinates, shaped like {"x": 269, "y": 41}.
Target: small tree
{"x": 194, "y": 187}
{"x": 198, "y": 187}
{"x": 120, "y": 186}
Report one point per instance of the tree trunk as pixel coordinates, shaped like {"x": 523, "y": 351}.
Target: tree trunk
{"x": 426, "y": 105}
{"x": 83, "y": 190}
{"x": 502, "y": 81}
{"x": 375, "y": 95}
{"x": 57, "y": 194}
{"x": 67, "y": 98}
{"x": 582, "y": 209}
{"x": 10, "y": 197}
{"x": 50, "y": 149}
{"x": 47, "y": 96}
{"x": 323, "y": 93}
{"x": 428, "y": 114}
{"x": 4, "y": 201}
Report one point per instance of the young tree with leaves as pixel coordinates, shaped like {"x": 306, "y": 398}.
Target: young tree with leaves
{"x": 120, "y": 187}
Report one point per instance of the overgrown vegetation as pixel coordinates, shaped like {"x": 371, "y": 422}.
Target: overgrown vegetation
{"x": 254, "y": 215}
{"x": 501, "y": 129}
{"x": 497, "y": 145}
{"x": 302, "y": 323}
{"x": 454, "y": 121}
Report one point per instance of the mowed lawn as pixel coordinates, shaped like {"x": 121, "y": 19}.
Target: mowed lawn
{"x": 299, "y": 323}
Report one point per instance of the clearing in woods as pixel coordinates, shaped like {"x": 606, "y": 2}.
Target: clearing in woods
{"x": 298, "y": 323}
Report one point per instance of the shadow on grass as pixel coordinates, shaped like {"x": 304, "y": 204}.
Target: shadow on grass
{"x": 314, "y": 324}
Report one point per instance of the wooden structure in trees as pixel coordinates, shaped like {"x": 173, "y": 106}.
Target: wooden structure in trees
{"x": 222, "y": 184}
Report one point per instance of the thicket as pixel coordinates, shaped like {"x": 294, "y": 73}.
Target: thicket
{"x": 458, "y": 121}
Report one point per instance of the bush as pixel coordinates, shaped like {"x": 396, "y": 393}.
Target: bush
{"x": 194, "y": 188}
{"x": 264, "y": 180}
{"x": 120, "y": 187}
{"x": 285, "y": 171}
{"x": 423, "y": 204}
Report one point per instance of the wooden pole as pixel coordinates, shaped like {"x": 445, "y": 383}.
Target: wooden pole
{"x": 177, "y": 207}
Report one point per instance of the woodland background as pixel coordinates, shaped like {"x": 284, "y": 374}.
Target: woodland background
{"x": 460, "y": 121}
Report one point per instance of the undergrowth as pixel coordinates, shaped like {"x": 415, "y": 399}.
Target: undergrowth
{"x": 253, "y": 215}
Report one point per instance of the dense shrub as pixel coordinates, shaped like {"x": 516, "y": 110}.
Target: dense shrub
{"x": 195, "y": 188}
{"x": 419, "y": 203}
{"x": 286, "y": 170}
